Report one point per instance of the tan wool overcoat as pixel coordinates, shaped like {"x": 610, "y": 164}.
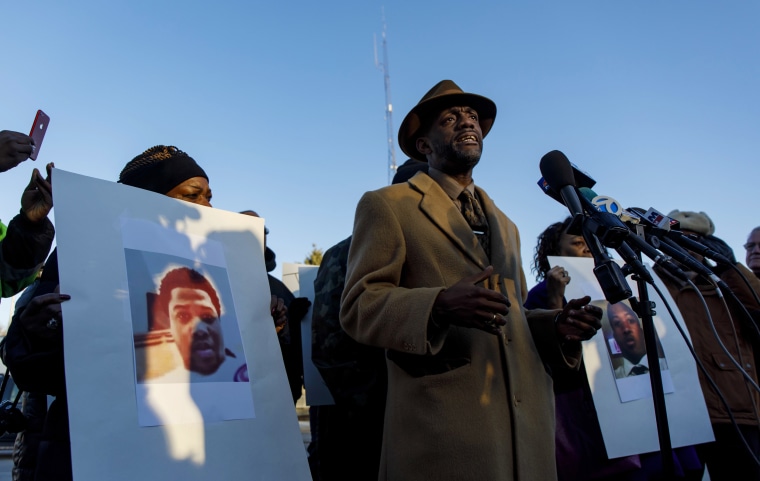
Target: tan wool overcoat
{"x": 462, "y": 404}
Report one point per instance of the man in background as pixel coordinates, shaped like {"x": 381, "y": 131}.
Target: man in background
{"x": 753, "y": 251}
{"x": 354, "y": 373}
{"x": 728, "y": 327}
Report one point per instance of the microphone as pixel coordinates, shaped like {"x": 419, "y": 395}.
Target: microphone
{"x": 605, "y": 203}
{"x": 676, "y": 252}
{"x": 624, "y": 236}
{"x": 582, "y": 179}
{"x": 632, "y": 260}
{"x": 668, "y": 228}
{"x": 558, "y": 173}
{"x": 607, "y": 206}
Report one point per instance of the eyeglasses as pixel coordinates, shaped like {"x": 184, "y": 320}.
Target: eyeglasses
{"x": 750, "y": 245}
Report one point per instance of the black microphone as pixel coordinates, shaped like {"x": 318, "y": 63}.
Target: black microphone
{"x": 582, "y": 179}
{"x": 684, "y": 240}
{"x": 632, "y": 260}
{"x": 624, "y": 236}
{"x": 558, "y": 173}
{"x": 607, "y": 206}
{"x": 678, "y": 253}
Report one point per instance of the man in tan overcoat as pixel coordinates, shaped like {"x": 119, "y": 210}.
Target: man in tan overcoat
{"x": 435, "y": 277}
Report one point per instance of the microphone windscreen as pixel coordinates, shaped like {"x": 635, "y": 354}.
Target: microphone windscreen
{"x": 587, "y": 193}
{"x": 557, "y": 170}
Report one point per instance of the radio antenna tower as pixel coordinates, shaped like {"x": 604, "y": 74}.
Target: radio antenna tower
{"x": 383, "y": 66}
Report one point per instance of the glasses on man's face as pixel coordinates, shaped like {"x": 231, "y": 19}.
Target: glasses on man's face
{"x": 750, "y": 245}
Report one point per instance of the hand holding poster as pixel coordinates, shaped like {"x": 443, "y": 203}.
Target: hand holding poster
{"x": 617, "y": 372}
{"x": 147, "y": 400}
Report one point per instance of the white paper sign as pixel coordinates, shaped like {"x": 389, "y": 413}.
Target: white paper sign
{"x": 218, "y": 407}
{"x": 623, "y": 401}
{"x": 317, "y": 392}
{"x": 300, "y": 278}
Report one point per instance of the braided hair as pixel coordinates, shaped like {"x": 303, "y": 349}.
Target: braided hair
{"x": 150, "y": 156}
{"x": 160, "y": 169}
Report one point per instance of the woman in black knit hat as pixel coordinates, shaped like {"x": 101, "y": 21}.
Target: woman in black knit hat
{"x": 33, "y": 347}
{"x": 169, "y": 171}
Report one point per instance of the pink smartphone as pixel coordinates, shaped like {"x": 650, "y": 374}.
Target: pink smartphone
{"x": 41, "y": 121}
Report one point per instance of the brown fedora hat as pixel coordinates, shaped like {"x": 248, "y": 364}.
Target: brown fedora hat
{"x": 445, "y": 94}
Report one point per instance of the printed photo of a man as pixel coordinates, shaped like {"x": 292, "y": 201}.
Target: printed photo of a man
{"x": 194, "y": 310}
{"x": 184, "y": 330}
{"x": 628, "y": 351}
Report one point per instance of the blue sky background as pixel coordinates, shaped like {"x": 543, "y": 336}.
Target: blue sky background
{"x": 283, "y": 106}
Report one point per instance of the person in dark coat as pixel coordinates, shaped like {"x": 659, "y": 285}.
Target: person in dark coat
{"x": 354, "y": 373}
{"x": 297, "y": 307}
{"x": 727, "y": 458}
{"x": 33, "y": 347}
{"x": 25, "y": 242}
{"x": 581, "y": 454}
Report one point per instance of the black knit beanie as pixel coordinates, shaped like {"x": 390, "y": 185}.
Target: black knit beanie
{"x": 160, "y": 169}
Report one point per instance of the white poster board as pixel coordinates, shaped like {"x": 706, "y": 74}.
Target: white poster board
{"x": 624, "y": 405}
{"x": 291, "y": 280}
{"x": 317, "y": 392}
{"x": 225, "y": 428}
{"x": 300, "y": 278}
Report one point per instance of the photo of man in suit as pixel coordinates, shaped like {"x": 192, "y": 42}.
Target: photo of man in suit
{"x": 629, "y": 337}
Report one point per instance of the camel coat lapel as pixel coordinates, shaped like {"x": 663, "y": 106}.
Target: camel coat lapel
{"x": 443, "y": 212}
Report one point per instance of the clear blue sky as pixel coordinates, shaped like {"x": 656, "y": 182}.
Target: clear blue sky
{"x": 283, "y": 106}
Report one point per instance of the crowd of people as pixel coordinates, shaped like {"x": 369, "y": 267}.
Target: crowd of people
{"x": 441, "y": 362}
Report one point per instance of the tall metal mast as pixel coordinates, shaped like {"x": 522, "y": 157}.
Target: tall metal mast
{"x": 383, "y": 66}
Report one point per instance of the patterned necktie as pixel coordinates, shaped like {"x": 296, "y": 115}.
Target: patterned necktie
{"x": 475, "y": 217}
{"x": 638, "y": 369}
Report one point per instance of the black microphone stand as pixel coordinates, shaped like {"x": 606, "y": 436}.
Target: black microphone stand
{"x": 606, "y": 229}
{"x": 645, "y": 309}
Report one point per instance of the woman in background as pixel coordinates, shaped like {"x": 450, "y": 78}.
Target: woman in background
{"x": 580, "y": 451}
{"x": 33, "y": 347}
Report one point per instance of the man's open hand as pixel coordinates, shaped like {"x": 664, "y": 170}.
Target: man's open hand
{"x": 579, "y": 320}
{"x": 466, "y": 304}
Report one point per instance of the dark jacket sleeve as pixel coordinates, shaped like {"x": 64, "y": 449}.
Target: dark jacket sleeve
{"x": 292, "y": 355}
{"x": 22, "y": 252}
{"x": 36, "y": 364}
{"x": 25, "y": 448}
{"x": 538, "y": 297}
{"x": 353, "y": 372}
{"x": 746, "y": 287}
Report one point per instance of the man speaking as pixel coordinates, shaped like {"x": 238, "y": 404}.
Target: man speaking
{"x": 435, "y": 277}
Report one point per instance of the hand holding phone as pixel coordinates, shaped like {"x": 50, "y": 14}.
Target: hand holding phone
{"x": 41, "y": 121}
{"x": 15, "y": 148}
